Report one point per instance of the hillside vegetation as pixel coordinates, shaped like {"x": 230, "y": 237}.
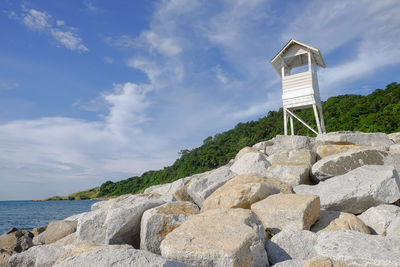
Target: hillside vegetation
{"x": 376, "y": 112}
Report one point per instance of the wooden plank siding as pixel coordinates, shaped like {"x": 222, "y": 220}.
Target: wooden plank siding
{"x": 298, "y": 91}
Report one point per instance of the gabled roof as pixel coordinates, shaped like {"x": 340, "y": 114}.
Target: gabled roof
{"x": 293, "y": 54}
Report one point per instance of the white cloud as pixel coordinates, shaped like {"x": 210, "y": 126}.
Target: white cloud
{"x": 124, "y": 41}
{"x": 69, "y": 40}
{"x": 43, "y": 22}
{"x": 36, "y": 20}
{"x": 221, "y": 75}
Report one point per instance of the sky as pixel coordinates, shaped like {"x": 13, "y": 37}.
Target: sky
{"x": 97, "y": 90}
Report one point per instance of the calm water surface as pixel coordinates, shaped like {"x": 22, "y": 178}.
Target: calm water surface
{"x": 27, "y": 214}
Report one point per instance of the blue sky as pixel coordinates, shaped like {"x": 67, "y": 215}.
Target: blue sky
{"x": 98, "y": 90}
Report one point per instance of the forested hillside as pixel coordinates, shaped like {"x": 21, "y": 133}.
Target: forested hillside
{"x": 376, "y": 112}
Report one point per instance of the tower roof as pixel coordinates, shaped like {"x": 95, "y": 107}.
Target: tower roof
{"x": 294, "y": 54}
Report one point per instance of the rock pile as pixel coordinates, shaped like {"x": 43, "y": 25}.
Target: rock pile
{"x": 289, "y": 201}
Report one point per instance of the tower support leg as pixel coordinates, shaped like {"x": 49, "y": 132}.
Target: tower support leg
{"x": 284, "y": 121}
{"x": 317, "y": 119}
{"x": 322, "y": 120}
{"x": 291, "y": 126}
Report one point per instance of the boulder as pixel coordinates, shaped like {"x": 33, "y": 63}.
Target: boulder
{"x": 357, "y": 190}
{"x": 291, "y": 244}
{"x": 218, "y": 237}
{"x": 39, "y": 240}
{"x": 16, "y": 240}
{"x": 58, "y": 229}
{"x": 43, "y": 256}
{"x": 289, "y": 142}
{"x": 330, "y": 220}
{"x": 38, "y": 230}
{"x": 244, "y": 190}
{"x": 118, "y": 222}
{"x": 288, "y": 211}
{"x": 76, "y": 217}
{"x": 358, "y": 249}
{"x": 324, "y": 262}
{"x": 394, "y": 149}
{"x": 261, "y": 146}
{"x": 178, "y": 188}
{"x": 4, "y": 257}
{"x": 395, "y": 137}
{"x": 158, "y": 222}
{"x": 354, "y": 138}
{"x": 201, "y": 187}
{"x": 342, "y": 163}
{"x": 118, "y": 256}
{"x": 328, "y": 150}
{"x": 291, "y": 263}
{"x": 380, "y": 218}
{"x": 293, "y": 157}
{"x": 251, "y": 162}
{"x": 291, "y": 174}
{"x": 244, "y": 151}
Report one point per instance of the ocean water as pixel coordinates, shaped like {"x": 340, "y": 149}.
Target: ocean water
{"x": 26, "y": 214}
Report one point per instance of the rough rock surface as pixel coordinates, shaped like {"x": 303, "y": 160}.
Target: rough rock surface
{"x": 291, "y": 174}
{"x": 58, "y": 229}
{"x": 244, "y": 151}
{"x": 288, "y": 211}
{"x": 395, "y": 137}
{"x": 328, "y": 150}
{"x": 158, "y": 222}
{"x": 16, "y": 240}
{"x": 261, "y": 146}
{"x": 203, "y": 186}
{"x": 43, "y": 256}
{"x": 118, "y": 257}
{"x": 354, "y": 138}
{"x": 39, "y": 240}
{"x": 38, "y": 230}
{"x": 358, "y": 249}
{"x": 394, "y": 149}
{"x": 381, "y": 217}
{"x": 293, "y": 157}
{"x": 357, "y": 190}
{"x": 218, "y": 237}
{"x": 342, "y": 163}
{"x": 251, "y": 162}
{"x": 244, "y": 190}
{"x": 118, "y": 222}
{"x": 4, "y": 257}
{"x": 324, "y": 262}
{"x": 330, "y": 220}
{"x": 291, "y": 244}
{"x": 286, "y": 142}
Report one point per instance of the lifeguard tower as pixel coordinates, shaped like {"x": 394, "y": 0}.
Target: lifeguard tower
{"x": 299, "y": 90}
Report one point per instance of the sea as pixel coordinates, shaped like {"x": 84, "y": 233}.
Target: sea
{"x": 28, "y": 214}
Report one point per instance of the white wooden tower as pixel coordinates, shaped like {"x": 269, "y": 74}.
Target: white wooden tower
{"x": 300, "y": 90}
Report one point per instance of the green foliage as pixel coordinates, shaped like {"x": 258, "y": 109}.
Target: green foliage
{"x": 377, "y": 112}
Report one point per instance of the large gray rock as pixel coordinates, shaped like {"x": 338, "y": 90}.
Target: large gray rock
{"x": 158, "y": 222}
{"x": 291, "y": 174}
{"x": 357, "y": 190}
{"x": 58, "y": 229}
{"x": 201, "y": 187}
{"x": 251, "y": 162}
{"x": 289, "y": 142}
{"x": 291, "y": 166}
{"x": 118, "y": 222}
{"x": 118, "y": 257}
{"x": 381, "y": 217}
{"x": 39, "y": 240}
{"x": 244, "y": 190}
{"x": 358, "y": 249}
{"x": 395, "y": 137}
{"x": 261, "y": 146}
{"x": 288, "y": 211}
{"x": 332, "y": 220}
{"x": 16, "y": 240}
{"x": 342, "y": 163}
{"x": 354, "y": 138}
{"x": 218, "y": 237}
{"x": 43, "y": 256}
{"x": 292, "y": 263}
{"x": 291, "y": 244}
